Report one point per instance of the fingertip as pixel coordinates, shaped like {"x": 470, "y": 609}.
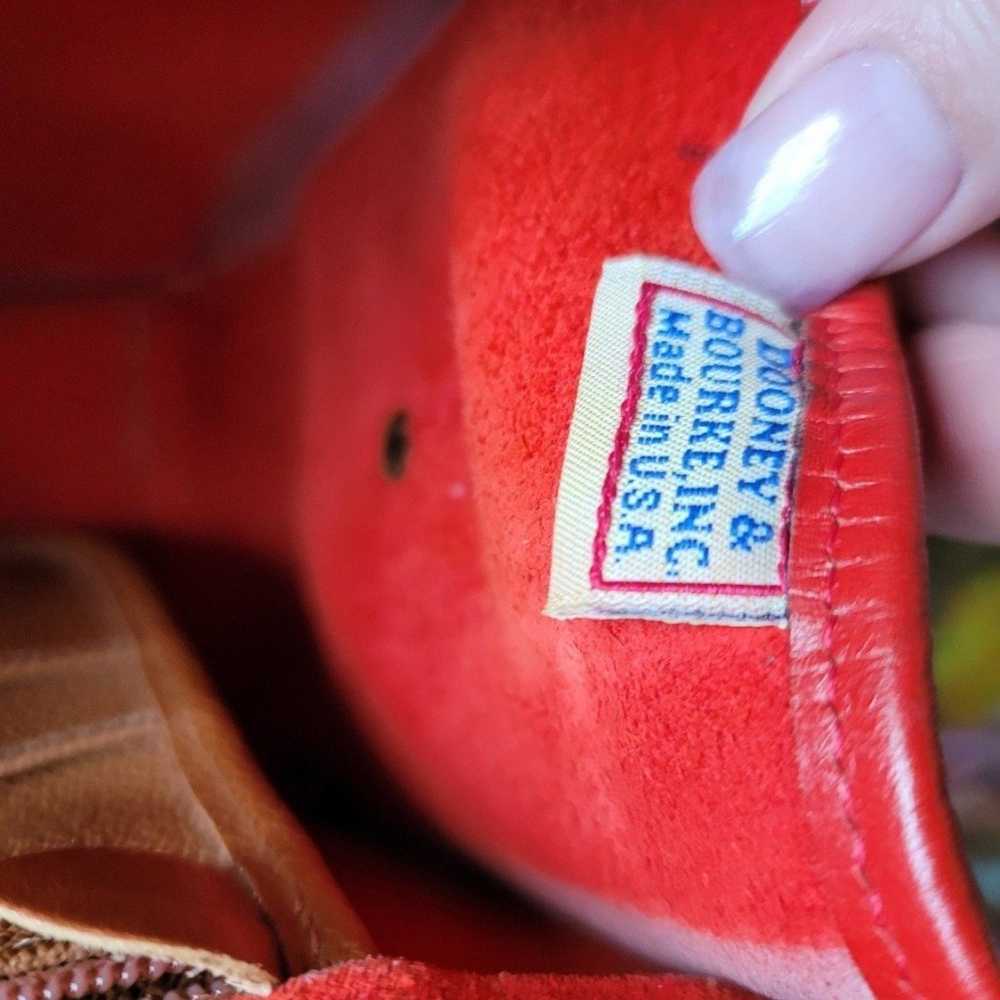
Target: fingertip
{"x": 959, "y": 284}
{"x": 957, "y": 369}
{"x": 795, "y": 204}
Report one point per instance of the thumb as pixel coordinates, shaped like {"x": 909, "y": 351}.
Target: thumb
{"x": 873, "y": 143}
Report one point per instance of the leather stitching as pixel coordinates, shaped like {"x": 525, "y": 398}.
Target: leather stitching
{"x": 833, "y": 374}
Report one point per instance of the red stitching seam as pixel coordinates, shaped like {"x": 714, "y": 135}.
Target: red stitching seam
{"x": 859, "y": 854}
{"x": 798, "y": 371}
{"x": 643, "y": 312}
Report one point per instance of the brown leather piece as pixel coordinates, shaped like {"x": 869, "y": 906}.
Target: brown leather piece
{"x": 138, "y": 897}
{"x": 132, "y": 818}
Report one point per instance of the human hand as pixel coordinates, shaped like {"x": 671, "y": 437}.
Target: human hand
{"x": 873, "y": 148}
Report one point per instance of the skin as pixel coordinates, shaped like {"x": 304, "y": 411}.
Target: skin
{"x": 948, "y": 276}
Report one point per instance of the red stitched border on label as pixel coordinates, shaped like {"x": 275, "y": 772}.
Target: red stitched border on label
{"x": 643, "y": 312}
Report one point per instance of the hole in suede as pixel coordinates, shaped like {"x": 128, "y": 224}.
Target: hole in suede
{"x": 396, "y": 445}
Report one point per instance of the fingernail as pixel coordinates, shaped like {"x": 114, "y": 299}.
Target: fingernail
{"x": 826, "y": 184}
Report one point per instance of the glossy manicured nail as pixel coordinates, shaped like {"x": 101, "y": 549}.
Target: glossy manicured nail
{"x": 826, "y": 184}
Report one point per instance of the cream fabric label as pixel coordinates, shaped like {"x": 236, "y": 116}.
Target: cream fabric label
{"x": 675, "y": 495}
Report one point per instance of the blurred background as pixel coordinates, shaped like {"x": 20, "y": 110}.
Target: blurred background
{"x": 965, "y": 605}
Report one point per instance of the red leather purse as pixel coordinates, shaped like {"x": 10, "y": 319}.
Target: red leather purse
{"x": 379, "y": 401}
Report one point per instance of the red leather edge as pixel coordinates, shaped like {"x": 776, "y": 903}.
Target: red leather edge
{"x": 862, "y": 700}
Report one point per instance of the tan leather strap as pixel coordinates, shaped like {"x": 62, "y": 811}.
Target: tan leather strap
{"x": 132, "y": 818}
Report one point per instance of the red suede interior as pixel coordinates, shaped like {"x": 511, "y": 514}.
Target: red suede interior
{"x": 385, "y": 978}
{"x": 146, "y": 412}
{"x": 123, "y": 123}
{"x": 443, "y": 266}
{"x": 651, "y": 727}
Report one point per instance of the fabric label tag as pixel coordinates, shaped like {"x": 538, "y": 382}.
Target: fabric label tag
{"x": 675, "y": 494}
